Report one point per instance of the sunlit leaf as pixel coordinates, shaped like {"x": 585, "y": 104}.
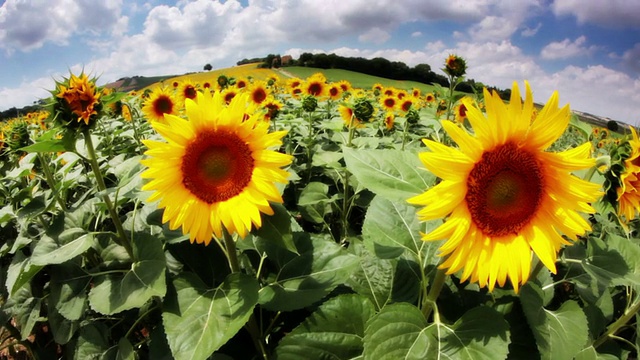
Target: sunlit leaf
{"x": 199, "y": 320}
{"x": 393, "y": 174}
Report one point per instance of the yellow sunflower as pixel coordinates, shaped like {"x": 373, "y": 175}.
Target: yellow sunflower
{"x": 334, "y": 91}
{"x": 159, "y": 102}
{"x": 314, "y": 86}
{"x": 629, "y": 190}
{"x": 504, "y": 195}
{"x": 345, "y": 85}
{"x": 186, "y": 90}
{"x": 258, "y": 92}
{"x": 216, "y": 169}
{"x": 460, "y": 112}
{"x": 389, "y": 102}
{"x": 389, "y": 120}
{"x": 429, "y": 98}
{"x": 346, "y": 113}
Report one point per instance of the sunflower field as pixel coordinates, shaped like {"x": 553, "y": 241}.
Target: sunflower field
{"x": 299, "y": 218}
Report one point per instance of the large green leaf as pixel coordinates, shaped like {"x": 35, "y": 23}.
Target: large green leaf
{"x": 374, "y": 277}
{"x": 20, "y": 272}
{"x": 122, "y": 351}
{"x": 559, "y": 334}
{"x": 334, "y": 331}
{"x": 67, "y": 245}
{"x": 306, "y": 278}
{"x": 24, "y": 308}
{"x": 400, "y": 331}
{"x": 392, "y": 174}
{"x": 68, "y": 290}
{"x": 199, "y": 320}
{"x": 314, "y": 202}
{"x": 616, "y": 260}
{"x": 92, "y": 341}
{"x": 131, "y": 288}
{"x": 390, "y": 228}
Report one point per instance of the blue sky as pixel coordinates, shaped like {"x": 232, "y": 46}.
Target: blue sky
{"x": 588, "y": 50}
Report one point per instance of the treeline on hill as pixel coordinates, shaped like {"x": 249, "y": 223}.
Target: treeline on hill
{"x": 14, "y": 112}
{"x": 378, "y": 66}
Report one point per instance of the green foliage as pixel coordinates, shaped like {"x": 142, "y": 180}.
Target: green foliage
{"x": 89, "y": 267}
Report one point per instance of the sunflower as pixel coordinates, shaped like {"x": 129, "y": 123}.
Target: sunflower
{"x": 429, "y": 98}
{"x": 334, "y": 91}
{"x": 346, "y": 113}
{"x": 126, "y": 113}
{"x": 389, "y": 91}
{"x": 389, "y": 103}
{"x": 377, "y": 87}
{"x": 314, "y": 86}
{"x": 159, "y": 102}
{"x": 408, "y": 103}
{"x": 629, "y": 190}
{"x": 187, "y": 90}
{"x": 258, "y": 92}
{"x": 460, "y": 112}
{"x": 216, "y": 169}
{"x": 345, "y": 85}
{"x": 504, "y": 195}
{"x": 272, "y": 107}
{"x": 389, "y": 120}
{"x": 228, "y": 95}
{"x": 241, "y": 83}
{"x": 415, "y": 92}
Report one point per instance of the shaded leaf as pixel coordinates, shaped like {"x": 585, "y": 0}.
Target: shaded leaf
{"x": 334, "y": 331}
{"x": 68, "y": 290}
{"x": 199, "y": 320}
{"x": 122, "y": 351}
{"x": 20, "y": 272}
{"x": 400, "y": 331}
{"x": 132, "y": 288}
{"x": 92, "y": 341}
{"x": 314, "y": 202}
{"x": 390, "y": 228}
{"x": 559, "y": 334}
{"x": 306, "y": 278}
{"x": 69, "y": 244}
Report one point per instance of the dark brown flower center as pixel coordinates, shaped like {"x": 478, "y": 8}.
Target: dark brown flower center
{"x": 505, "y": 190}
{"x": 163, "y": 105}
{"x": 217, "y": 166}
{"x": 259, "y": 95}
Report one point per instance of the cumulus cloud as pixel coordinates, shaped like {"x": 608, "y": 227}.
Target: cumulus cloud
{"x": 23, "y": 26}
{"x": 610, "y": 13}
{"x": 529, "y": 32}
{"x": 631, "y": 58}
{"x": 374, "y": 35}
{"x": 566, "y": 49}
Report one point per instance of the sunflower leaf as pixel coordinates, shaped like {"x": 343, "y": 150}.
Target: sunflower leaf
{"x": 391, "y": 228}
{"x": 198, "y": 320}
{"x": 341, "y": 338}
{"x": 559, "y": 334}
{"x": 306, "y": 278}
{"x": 145, "y": 278}
{"x": 400, "y": 331}
{"x": 393, "y": 174}
{"x": 67, "y": 245}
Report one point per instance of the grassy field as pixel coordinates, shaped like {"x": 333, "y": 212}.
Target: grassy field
{"x": 358, "y": 80}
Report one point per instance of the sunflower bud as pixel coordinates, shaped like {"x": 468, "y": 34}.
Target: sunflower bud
{"x": 77, "y": 100}
{"x": 363, "y": 109}
{"x": 455, "y": 66}
{"x": 309, "y": 103}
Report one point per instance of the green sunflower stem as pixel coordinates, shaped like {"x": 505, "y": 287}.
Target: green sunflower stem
{"x": 451, "y": 86}
{"x": 124, "y": 240}
{"x": 51, "y": 181}
{"x": 251, "y": 326}
{"x": 622, "y": 321}
{"x": 430, "y": 302}
{"x": 405, "y": 132}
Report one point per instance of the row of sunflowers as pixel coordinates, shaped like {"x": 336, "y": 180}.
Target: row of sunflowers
{"x": 316, "y": 220}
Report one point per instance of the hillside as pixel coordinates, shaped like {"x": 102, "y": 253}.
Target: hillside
{"x": 358, "y": 80}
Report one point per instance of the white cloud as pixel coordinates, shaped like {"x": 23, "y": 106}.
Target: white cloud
{"x": 610, "y": 13}
{"x": 493, "y": 28}
{"x": 631, "y": 58}
{"x": 529, "y": 32}
{"x": 27, "y": 25}
{"x": 416, "y": 34}
{"x": 566, "y": 49}
{"x": 374, "y": 35}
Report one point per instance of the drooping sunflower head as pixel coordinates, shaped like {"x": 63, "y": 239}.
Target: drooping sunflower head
{"x": 347, "y": 115}
{"x": 460, "y": 112}
{"x": 217, "y": 169}
{"x": 159, "y": 103}
{"x": 455, "y": 66}
{"x": 389, "y": 120}
{"x": 408, "y": 103}
{"x": 504, "y": 195}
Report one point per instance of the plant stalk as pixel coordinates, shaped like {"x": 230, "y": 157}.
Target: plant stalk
{"x": 51, "y": 181}
{"x": 234, "y": 264}
{"x": 434, "y": 292}
{"x": 613, "y": 328}
{"x": 124, "y": 240}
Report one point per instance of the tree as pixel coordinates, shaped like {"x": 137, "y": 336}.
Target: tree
{"x": 208, "y": 67}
